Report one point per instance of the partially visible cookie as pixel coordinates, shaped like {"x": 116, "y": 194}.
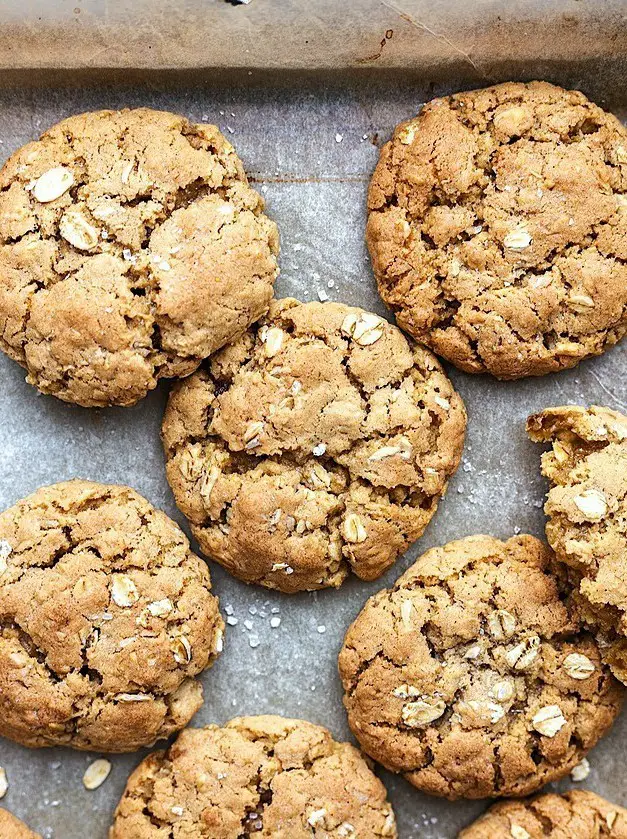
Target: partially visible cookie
{"x": 587, "y": 511}
{"x": 470, "y": 677}
{"x": 577, "y": 814}
{"x": 261, "y": 776}
{"x": 320, "y": 441}
{"x": 106, "y": 619}
{"x": 497, "y": 228}
{"x": 131, "y": 247}
{"x": 12, "y": 828}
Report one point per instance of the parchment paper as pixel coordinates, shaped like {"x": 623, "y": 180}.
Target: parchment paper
{"x": 310, "y": 145}
{"x": 306, "y": 34}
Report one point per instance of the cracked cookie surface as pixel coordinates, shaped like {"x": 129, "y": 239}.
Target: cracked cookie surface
{"x": 131, "y": 247}
{"x": 471, "y": 678}
{"x": 577, "y": 814}
{"x": 264, "y": 776}
{"x": 12, "y": 828}
{"x": 320, "y": 441}
{"x": 498, "y": 228}
{"x": 106, "y": 618}
{"x": 587, "y": 514}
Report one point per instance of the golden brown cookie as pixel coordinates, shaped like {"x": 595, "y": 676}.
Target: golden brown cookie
{"x": 320, "y": 441}
{"x": 106, "y": 618}
{"x": 267, "y": 777}
{"x": 498, "y": 228}
{"x": 471, "y": 678}
{"x": 577, "y": 814}
{"x": 131, "y": 247}
{"x": 587, "y": 510}
{"x": 13, "y": 828}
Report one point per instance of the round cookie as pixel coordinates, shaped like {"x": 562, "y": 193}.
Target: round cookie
{"x": 577, "y": 814}
{"x": 319, "y": 441}
{"x": 12, "y": 828}
{"x": 106, "y": 618}
{"x": 470, "y": 677}
{"x": 587, "y": 511}
{"x": 131, "y": 247}
{"x": 261, "y": 776}
{"x": 498, "y": 228}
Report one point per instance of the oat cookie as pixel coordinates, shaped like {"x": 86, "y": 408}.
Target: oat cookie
{"x": 13, "y": 828}
{"x": 577, "y": 814}
{"x": 498, "y": 228}
{"x": 106, "y": 618}
{"x": 321, "y": 441}
{"x": 131, "y": 247}
{"x": 587, "y": 510}
{"x": 471, "y": 678}
{"x": 267, "y": 777}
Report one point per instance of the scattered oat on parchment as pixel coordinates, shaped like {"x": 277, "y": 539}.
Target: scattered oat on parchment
{"x": 96, "y": 774}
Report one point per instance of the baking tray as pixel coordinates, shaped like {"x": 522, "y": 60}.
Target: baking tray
{"x": 309, "y": 138}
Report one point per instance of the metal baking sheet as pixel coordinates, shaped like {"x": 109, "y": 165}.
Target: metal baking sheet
{"x": 309, "y": 143}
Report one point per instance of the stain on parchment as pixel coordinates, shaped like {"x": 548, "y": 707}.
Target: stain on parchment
{"x": 389, "y": 34}
{"x": 437, "y": 35}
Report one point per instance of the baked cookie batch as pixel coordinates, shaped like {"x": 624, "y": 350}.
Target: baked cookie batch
{"x": 306, "y": 441}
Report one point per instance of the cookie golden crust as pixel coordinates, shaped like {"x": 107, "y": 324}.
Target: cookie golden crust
{"x": 498, "y": 228}
{"x": 471, "y": 678}
{"x": 320, "y": 441}
{"x": 577, "y": 814}
{"x": 131, "y": 247}
{"x": 265, "y": 776}
{"x": 587, "y": 513}
{"x": 106, "y": 618}
{"x": 13, "y": 828}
